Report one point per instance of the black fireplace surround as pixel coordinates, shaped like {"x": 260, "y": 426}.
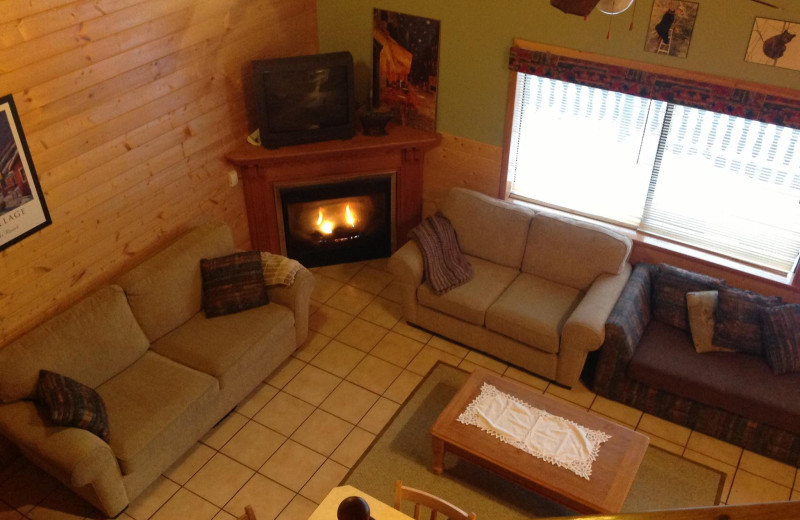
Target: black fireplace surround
{"x": 339, "y": 221}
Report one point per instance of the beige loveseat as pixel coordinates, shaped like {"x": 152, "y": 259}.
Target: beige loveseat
{"x": 165, "y": 372}
{"x": 542, "y": 288}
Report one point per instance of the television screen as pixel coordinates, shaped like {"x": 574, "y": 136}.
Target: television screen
{"x": 305, "y": 98}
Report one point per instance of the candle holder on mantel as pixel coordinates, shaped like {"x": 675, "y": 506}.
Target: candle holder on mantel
{"x": 353, "y": 508}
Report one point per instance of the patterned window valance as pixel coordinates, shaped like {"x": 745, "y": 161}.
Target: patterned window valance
{"x": 740, "y": 102}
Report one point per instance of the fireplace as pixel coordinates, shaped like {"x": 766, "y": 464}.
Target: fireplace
{"x": 339, "y": 220}
{"x": 401, "y": 152}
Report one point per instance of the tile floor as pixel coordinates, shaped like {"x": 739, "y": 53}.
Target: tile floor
{"x": 296, "y": 436}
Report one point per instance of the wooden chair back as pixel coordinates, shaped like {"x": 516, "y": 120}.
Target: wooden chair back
{"x": 424, "y": 499}
{"x": 249, "y": 514}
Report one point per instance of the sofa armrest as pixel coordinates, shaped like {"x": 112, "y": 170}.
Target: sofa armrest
{"x": 625, "y": 326}
{"x": 585, "y": 327}
{"x": 84, "y": 454}
{"x": 407, "y": 266}
{"x": 584, "y": 330}
{"x": 76, "y": 457}
{"x": 296, "y": 297}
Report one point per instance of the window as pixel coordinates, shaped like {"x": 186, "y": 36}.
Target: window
{"x": 714, "y": 181}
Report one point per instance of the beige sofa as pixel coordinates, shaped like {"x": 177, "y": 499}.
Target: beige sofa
{"x": 166, "y": 373}
{"x": 542, "y": 289}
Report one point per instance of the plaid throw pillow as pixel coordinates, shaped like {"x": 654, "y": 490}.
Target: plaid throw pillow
{"x": 233, "y": 283}
{"x": 737, "y": 323}
{"x": 69, "y": 403}
{"x": 669, "y": 293}
{"x": 782, "y": 338}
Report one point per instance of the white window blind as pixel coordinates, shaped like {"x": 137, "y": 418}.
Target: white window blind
{"x": 712, "y": 181}
{"x": 729, "y": 185}
{"x": 583, "y": 149}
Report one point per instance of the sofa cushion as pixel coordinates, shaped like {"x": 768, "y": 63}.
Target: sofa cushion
{"x": 90, "y": 342}
{"x": 701, "y": 306}
{"x": 470, "y": 301}
{"x": 233, "y": 283}
{"x": 782, "y": 338}
{"x": 476, "y": 219}
{"x": 226, "y": 345}
{"x": 153, "y": 407}
{"x": 533, "y": 310}
{"x": 670, "y": 286}
{"x": 165, "y": 290}
{"x": 737, "y": 324}
{"x": 733, "y": 381}
{"x": 571, "y": 252}
{"x": 67, "y": 402}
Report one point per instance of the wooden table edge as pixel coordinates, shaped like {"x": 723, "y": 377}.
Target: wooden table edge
{"x": 639, "y": 444}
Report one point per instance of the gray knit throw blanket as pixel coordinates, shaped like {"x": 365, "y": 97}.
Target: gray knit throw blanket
{"x": 444, "y": 263}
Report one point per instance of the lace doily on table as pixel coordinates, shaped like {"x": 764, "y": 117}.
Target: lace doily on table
{"x": 551, "y": 438}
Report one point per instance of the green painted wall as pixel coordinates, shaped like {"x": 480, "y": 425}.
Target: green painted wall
{"x": 476, "y": 34}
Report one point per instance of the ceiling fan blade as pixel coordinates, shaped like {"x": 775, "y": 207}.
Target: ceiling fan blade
{"x": 762, "y": 2}
{"x": 579, "y": 7}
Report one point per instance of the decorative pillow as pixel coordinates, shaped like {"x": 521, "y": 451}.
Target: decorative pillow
{"x": 738, "y": 319}
{"x": 69, "y": 403}
{"x": 701, "y": 306}
{"x": 669, "y": 293}
{"x": 233, "y": 283}
{"x": 782, "y": 337}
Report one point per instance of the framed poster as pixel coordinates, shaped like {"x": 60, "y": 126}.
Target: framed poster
{"x": 671, "y": 27}
{"x": 771, "y": 44}
{"x": 405, "y": 67}
{"x": 22, "y": 207}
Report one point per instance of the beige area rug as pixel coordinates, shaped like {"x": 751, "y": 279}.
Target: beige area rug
{"x": 403, "y": 451}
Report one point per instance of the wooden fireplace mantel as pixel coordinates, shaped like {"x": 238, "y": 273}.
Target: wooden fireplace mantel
{"x": 401, "y": 152}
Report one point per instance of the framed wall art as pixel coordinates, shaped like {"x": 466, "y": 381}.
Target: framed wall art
{"x": 405, "y": 67}
{"x": 22, "y": 207}
{"x": 771, "y": 43}
{"x": 671, "y": 27}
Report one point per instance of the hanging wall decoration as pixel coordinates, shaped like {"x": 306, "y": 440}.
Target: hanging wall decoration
{"x": 22, "y": 207}
{"x": 671, "y": 27}
{"x": 771, "y": 43}
{"x": 405, "y": 67}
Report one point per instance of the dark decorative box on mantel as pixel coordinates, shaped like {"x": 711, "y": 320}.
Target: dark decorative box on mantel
{"x": 373, "y": 122}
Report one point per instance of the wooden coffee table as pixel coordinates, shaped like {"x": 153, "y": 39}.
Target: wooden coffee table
{"x": 612, "y": 473}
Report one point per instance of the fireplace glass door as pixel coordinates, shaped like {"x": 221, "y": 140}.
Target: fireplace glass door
{"x": 337, "y": 222}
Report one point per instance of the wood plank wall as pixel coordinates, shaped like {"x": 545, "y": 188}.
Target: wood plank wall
{"x": 129, "y": 107}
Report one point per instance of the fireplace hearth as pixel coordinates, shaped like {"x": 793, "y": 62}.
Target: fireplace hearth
{"x": 337, "y": 221}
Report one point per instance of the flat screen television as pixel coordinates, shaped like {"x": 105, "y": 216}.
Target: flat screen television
{"x": 304, "y": 99}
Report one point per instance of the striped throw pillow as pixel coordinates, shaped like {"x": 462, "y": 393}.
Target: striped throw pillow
{"x": 782, "y": 338}
{"x": 669, "y": 293}
{"x": 67, "y": 402}
{"x": 233, "y": 283}
{"x": 737, "y": 322}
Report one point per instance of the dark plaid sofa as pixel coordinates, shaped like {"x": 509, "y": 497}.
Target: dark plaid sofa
{"x": 648, "y": 361}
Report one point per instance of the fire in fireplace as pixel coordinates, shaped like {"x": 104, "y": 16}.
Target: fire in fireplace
{"x": 338, "y": 221}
